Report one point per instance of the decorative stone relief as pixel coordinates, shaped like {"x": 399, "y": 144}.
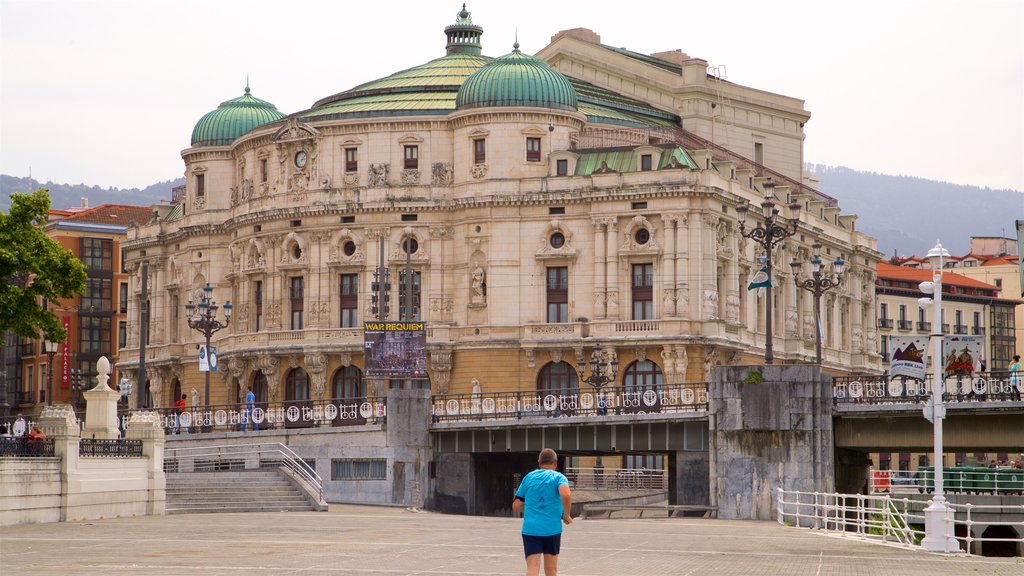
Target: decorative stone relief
{"x": 710, "y": 304}
{"x": 443, "y": 306}
{"x": 345, "y": 358}
{"x": 791, "y": 324}
{"x": 478, "y": 171}
{"x": 350, "y": 178}
{"x": 441, "y": 362}
{"x": 723, "y": 234}
{"x": 410, "y": 177}
{"x": 441, "y": 232}
{"x": 379, "y": 175}
{"x": 732, "y": 308}
{"x": 641, "y": 353}
{"x": 254, "y": 259}
{"x": 199, "y": 202}
{"x": 442, "y": 174}
{"x": 710, "y": 362}
{"x": 531, "y": 359}
{"x": 683, "y": 300}
{"x": 556, "y": 355}
{"x": 246, "y": 193}
{"x": 268, "y": 366}
{"x": 547, "y": 250}
{"x": 273, "y": 312}
{"x": 292, "y": 240}
{"x": 318, "y": 312}
{"x": 808, "y": 328}
{"x": 336, "y": 251}
{"x": 668, "y": 301}
{"x": 629, "y": 241}
{"x": 478, "y": 291}
{"x": 675, "y": 362}
{"x": 858, "y": 339}
{"x": 316, "y": 365}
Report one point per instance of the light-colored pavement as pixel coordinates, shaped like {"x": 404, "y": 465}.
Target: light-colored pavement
{"x": 356, "y": 540}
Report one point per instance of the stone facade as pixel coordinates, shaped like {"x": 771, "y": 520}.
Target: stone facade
{"x": 296, "y": 201}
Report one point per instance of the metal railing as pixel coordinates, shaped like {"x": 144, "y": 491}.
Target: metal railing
{"x": 617, "y": 478}
{"x": 876, "y": 517}
{"x": 609, "y": 401}
{"x": 1001, "y": 386}
{"x": 117, "y": 448}
{"x": 14, "y": 446}
{"x": 250, "y": 456}
{"x": 1003, "y": 480}
{"x": 882, "y": 517}
{"x": 273, "y": 415}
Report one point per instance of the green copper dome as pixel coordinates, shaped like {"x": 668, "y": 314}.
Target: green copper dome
{"x": 232, "y": 119}
{"x": 517, "y": 79}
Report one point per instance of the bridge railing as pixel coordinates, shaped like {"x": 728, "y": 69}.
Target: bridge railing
{"x": 999, "y": 480}
{"x": 995, "y": 386}
{"x": 617, "y": 478}
{"x": 608, "y": 401}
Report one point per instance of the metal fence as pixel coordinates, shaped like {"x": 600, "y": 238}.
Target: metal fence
{"x": 956, "y": 480}
{"x": 117, "y": 448}
{"x": 995, "y": 386}
{"x": 272, "y": 415}
{"x": 608, "y": 401}
{"x": 617, "y": 478}
{"x": 15, "y": 446}
{"x": 884, "y": 517}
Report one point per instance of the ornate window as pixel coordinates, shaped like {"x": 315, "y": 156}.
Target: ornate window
{"x": 349, "y": 300}
{"x": 561, "y": 167}
{"x": 533, "y": 149}
{"x": 558, "y": 294}
{"x": 479, "y": 150}
{"x": 296, "y": 386}
{"x": 642, "y": 375}
{"x": 257, "y": 304}
{"x": 643, "y": 291}
{"x": 297, "y": 301}
{"x": 260, "y": 389}
{"x": 558, "y": 378}
{"x": 412, "y": 157}
{"x": 351, "y": 160}
{"x": 349, "y": 384}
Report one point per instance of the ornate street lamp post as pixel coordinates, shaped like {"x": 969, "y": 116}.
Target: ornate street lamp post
{"x": 602, "y": 371}
{"x": 772, "y": 232}
{"x": 202, "y": 317}
{"x": 51, "y": 349}
{"x": 817, "y": 285}
{"x": 938, "y": 517}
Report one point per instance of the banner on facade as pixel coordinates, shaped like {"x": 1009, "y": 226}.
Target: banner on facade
{"x": 961, "y": 355}
{"x": 1020, "y": 253}
{"x": 908, "y": 356}
{"x": 207, "y": 362}
{"x": 65, "y": 373}
{"x": 395, "y": 349}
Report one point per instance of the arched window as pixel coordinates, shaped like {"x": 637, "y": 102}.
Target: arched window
{"x": 643, "y": 385}
{"x": 260, "y": 389}
{"x": 297, "y": 394}
{"x": 348, "y": 383}
{"x": 559, "y": 379}
{"x": 175, "y": 391}
{"x": 296, "y": 385}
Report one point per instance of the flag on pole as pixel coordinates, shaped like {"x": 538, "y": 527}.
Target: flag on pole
{"x": 760, "y": 281}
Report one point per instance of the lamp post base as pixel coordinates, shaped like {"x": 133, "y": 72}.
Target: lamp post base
{"x": 939, "y": 528}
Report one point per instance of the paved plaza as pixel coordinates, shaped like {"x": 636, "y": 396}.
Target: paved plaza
{"x": 388, "y": 541}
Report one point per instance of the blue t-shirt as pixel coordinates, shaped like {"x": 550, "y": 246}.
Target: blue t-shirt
{"x": 542, "y": 515}
{"x": 250, "y": 399}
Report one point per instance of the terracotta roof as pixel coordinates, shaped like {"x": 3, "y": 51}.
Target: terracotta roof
{"x": 890, "y": 272}
{"x": 1002, "y": 261}
{"x": 113, "y": 214}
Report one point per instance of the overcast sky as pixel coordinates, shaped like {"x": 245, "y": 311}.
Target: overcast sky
{"x": 107, "y": 92}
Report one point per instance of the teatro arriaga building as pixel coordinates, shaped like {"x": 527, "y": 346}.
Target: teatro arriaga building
{"x": 550, "y": 203}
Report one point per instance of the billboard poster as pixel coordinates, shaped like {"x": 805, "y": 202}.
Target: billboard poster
{"x": 395, "y": 349}
{"x": 907, "y": 356}
{"x": 65, "y": 373}
{"x": 961, "y": 355}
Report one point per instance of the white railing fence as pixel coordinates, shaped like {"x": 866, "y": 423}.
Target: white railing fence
{"x": 617, "y": 478}
{"x": 897, "y": 520}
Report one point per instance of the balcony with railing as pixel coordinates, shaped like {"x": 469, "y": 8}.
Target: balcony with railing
{"x": 978, "y": 330}
{"x": 905, "y": 325}
{"x": 945, "y": 328}
{"x": 960, "y": 329}
{"x": 924, "y": 326}
{"x": 885, "y": 323}
{"x": 963, "y": 390}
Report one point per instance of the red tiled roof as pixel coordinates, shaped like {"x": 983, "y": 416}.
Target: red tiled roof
{"x": 890, "y": 272}
{"x": 113, "y": 214}
{"x": 1001, "y": 261}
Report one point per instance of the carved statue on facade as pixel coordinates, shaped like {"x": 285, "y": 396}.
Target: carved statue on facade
{"x": 710, "y": 307}
{"x": 378, "y": 174}
{"x": 442, "y": 174}
{"x": 479, "y": 295}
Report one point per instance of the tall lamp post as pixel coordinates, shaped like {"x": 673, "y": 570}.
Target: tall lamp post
{"x": 601, "y": 372}
{"x": 938, "y": 517}
{"x": 772, "y": 232}
{"x": 51, "y": 349}
{"x": 818, "y": 284}
{"x": 203, "y": 318}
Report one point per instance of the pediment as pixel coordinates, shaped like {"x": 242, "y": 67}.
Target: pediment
{"x": 295, "y": 130}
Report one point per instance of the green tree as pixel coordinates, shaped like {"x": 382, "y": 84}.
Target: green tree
{"x": 33, "y": 267}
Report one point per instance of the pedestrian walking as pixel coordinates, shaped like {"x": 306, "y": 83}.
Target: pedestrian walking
{"x": 179, "y": 410}
{"x": 1016, "y": 375}
{"x": 20, "y": 427}
{"x": 250, "y": 405}
{"x": 545, "y": 501}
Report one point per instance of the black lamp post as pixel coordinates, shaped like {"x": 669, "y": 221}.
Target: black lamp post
{"x": 772, "y": 232}
{"x": 203, "y": 318}
{"x": 818, "y": 284}
{"x": 51, "y": 349}
{"x": 601, "y": 372}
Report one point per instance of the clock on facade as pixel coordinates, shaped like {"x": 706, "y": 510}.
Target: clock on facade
{"x": 300, "y": 159}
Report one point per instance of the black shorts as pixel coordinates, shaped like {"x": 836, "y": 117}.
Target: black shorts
{"x": 542, "y": 544}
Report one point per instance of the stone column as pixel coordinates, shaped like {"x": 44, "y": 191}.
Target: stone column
{"x": 600, "y": 288}
{"x": 708, "y": 273}
{"x": 408, "y": 434}
{"x": 682, "y": 268}
{"x": 101, "y": 406}
{"x": 612, "y": 258}
{"x": 768, "y": 434}
{"x": 146, "y": 426}
{"x": 60, "y": 424}
{"x": 668, "y": 264}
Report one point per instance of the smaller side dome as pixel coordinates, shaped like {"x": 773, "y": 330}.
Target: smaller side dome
{"x": 517, "y": 79}
{"x": 232, "y": 119}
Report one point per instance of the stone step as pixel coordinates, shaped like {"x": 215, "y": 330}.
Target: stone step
{"x": 220, "y": 503}
{"x": 221, "y": 509}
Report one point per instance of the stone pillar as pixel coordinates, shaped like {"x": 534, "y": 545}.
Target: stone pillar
{"x": 682, "y": 268}
{"x": 612, "y": 258}
{"x": 101, "y": 406}
{"x": 409, "y": 438}
{"x": 668, "y": 265}
{"x": 146, "y": 426}
{"x": 60, "y": 424}
{"x": 600, "y": 289}
{"x": 768, "y": 434}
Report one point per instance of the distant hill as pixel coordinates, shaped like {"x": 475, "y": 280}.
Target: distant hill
{"x": 904, "y": 213}
{"x": 908, "y": 214}
{"x": 64, "y": 196}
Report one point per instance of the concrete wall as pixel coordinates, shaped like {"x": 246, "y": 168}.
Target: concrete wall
{"x": 30, "y": 490}
{"x": 768, "y": 434}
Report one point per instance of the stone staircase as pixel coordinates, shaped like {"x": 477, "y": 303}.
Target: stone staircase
{"x": 259, "y": 490}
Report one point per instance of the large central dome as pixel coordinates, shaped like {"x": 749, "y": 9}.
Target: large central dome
{"x": 517, "y": 79}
